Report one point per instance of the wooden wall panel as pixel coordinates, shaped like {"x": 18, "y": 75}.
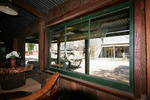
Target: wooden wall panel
{"x": 117, "y": 98}
{"x": 76, "y": 3}
{"x": 64, "y": 7}
{"x": 139, "y": 49}
{"x": 56, "y": 11}
{"x": 84, "y": 7}
{"x": 102, "y": 94}
{"x": 51, "y": 14}
{"x": 99, "y": 94}
{"x": 148, "y": 45}
{"x": 85, "y": 1}
{"x": 73, "y": 86}
{"x": 78, "y": 86}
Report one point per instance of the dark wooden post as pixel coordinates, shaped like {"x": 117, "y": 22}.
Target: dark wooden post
{"x": 139, "y": 49}
{"x": 41, "y": 44}
{"x": 42, "y": 52}
{"x": 46, "y": 48}
{"x": 148, "y": 45}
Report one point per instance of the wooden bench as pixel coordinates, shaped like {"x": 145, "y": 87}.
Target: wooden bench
{"x": 39, "y": 95}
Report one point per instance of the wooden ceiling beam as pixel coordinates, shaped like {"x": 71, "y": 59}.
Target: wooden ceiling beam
{"x": 29, "y": 8}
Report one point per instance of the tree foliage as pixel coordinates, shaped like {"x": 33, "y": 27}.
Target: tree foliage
{"x": 30, "y": 46}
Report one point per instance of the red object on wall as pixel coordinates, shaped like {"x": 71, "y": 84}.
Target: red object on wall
{"x": 12, "y": 62}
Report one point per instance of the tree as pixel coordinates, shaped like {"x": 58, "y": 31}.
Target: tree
{"x": 30, "y": 47}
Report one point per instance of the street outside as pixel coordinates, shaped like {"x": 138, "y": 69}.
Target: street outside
{"x": 114, "y": 69}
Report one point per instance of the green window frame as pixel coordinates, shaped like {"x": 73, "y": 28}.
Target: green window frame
{"x": 97, "y": 80}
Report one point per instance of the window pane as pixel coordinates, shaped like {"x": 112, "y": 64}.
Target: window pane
{"x": 75, "y": 46}
{"x": 58, "y": 48}
{"x": 109, "y": 46}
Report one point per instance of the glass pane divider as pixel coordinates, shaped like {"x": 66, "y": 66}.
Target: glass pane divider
{"x": 88, "y": 47}
{"x": 65, "y": 51}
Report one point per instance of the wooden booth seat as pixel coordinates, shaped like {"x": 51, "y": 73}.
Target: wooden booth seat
{"x": 39, "y": 95}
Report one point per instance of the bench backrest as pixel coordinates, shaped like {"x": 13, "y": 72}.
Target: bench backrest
{"x": 41, "y": 93}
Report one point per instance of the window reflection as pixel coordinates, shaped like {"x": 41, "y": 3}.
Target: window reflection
{"x": 75, "y": 46}
{"x": 109, "y": 46}
{"x": 57, "y": 48}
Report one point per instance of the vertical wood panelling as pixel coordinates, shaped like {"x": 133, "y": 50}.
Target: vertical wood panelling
{"x": 148, "y": 45}
{"x": 79, "y": 87}
{"x": 117, "y": 98}
{"x": 85, "y": 1}
{"x": 51, "y": 14}
{"x": 101, "y": 95}
{"x": 104, "y": 96}
{"x": 66, "y": 84}
{"x": 139, "y": 47}
{"x": 92, "y": 92}
{"x": 67, "y": 6}
{"x": 108, "y": 96}
{"x": 71, "y": 84}
{"x": 76, "y": 3}
{"x": 56, "y": 11}
{"x": 61, "y": 82}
